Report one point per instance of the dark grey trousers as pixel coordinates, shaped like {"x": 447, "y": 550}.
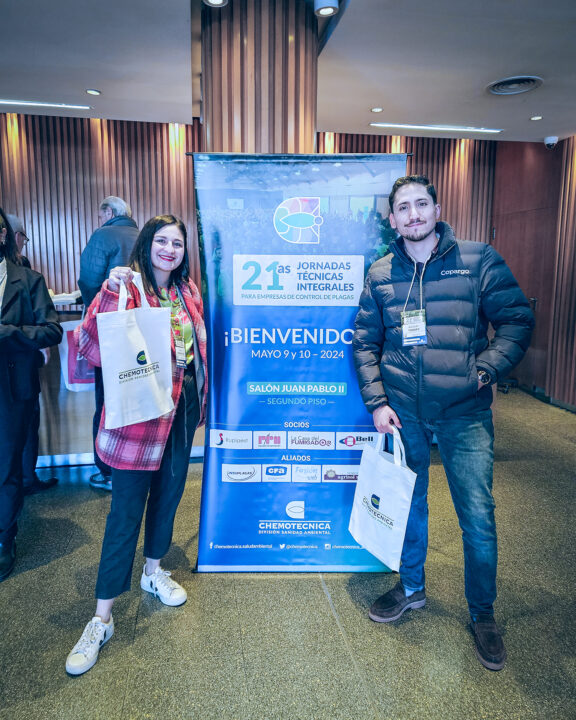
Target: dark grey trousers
{"x": 162, "y": 489}
{"x": 14, "y": 421}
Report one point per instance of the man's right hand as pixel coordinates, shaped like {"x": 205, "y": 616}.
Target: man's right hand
{"x": 385, "y": 419}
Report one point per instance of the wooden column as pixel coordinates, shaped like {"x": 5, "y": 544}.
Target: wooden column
{"x": 259, "y": 76}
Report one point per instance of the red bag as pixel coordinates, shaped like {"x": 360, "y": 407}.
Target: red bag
{"x": 77, "y": 372}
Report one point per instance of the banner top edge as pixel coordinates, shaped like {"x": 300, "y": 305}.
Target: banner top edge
{"x": 256, "y": 157}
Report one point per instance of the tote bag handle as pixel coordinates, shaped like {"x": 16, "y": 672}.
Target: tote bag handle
{"x": 123, "y": 293}
{"x": 399, "y": 452}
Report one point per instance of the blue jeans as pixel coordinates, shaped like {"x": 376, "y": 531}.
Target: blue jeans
{"x": 466, "y": 447}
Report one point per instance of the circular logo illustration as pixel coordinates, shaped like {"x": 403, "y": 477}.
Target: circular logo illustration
{"x": 298, "y": 220}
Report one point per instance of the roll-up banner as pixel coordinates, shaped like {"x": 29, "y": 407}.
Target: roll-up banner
{"x": 285, "y": 243}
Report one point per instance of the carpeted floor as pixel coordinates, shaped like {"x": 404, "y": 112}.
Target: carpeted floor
{"x": 300, "y": 646}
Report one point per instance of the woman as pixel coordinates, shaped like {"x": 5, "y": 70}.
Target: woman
{"x": 28, "y": 323}
{"x": 149, "y": 460}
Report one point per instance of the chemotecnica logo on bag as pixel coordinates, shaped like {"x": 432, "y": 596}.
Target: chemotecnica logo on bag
{"x": 144, "y": 370}
{"x": 371, "y": 507}
{"x": 298, "y": 220}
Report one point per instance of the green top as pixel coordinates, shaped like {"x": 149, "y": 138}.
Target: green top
{"x": 179, "y": 320}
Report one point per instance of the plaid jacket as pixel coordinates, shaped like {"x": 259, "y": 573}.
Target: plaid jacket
{"x": 139, "y": 446}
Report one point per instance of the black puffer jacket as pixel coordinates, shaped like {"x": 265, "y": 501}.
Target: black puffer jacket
{"x": 465, "y": 286}
{"x": 109, "y": 246}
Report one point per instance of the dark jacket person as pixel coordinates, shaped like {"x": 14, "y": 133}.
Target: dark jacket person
{"x": 28, "y": 322}
{"x": 108, "y": 247}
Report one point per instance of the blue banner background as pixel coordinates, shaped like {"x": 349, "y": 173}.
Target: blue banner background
{"x": 285, "y": 242}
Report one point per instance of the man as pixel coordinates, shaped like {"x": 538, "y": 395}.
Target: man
{"x": 32, "y": 483}
{"x": 425, "y": 365}
{"x": 108, "y": 247}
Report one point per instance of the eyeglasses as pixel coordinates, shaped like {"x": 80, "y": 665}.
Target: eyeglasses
{"x": 26, "y": 240}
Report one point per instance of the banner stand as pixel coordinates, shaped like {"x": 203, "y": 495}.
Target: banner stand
{"x": 285, "y": 243}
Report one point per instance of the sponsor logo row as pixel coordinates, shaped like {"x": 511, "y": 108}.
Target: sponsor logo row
{"x": 251, "y": 473}
{"x": 289, "y": 440}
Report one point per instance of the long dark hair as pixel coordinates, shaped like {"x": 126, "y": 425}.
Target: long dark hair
{"x": 8, "y": 249}
{"x": 140, "y": 258}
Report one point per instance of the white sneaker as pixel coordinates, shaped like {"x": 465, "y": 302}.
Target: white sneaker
{"x": 161, "y": 585}
{"x": 85, "y": 653}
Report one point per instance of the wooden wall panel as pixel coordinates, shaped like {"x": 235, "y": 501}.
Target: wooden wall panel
{"x": 463, "y": 174}
{"x": 526, "y": 193}
{"x": 561, "y": 375}
{"x": 461, "y": 170}
{"x": 55, "y": 171}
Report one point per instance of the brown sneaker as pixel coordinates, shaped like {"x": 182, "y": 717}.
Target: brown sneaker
{"x": 394, "y": 603}
{"x": 490, "y": 648}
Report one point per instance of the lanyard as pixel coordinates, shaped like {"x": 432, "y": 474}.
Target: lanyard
{"x": 414, "y": 321}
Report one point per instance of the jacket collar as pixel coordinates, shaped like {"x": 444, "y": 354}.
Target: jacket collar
{"x": 446, "y": 242}
{"x": 120, "y": 220}
{"x": 13, "y": 285}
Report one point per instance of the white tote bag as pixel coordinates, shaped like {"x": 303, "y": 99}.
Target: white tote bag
{"x": 136, "y": 361}
{"x": 382, "y": 501}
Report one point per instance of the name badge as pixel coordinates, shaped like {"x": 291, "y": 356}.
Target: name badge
{"x": 179, "y": 346}
{"x": 414, "y": 327}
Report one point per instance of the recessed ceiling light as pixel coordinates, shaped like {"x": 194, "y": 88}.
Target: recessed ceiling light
{"x": 536, "y": 117}
{"x": 215, "y": 3}
{"x": 92, "y": 91}
{"x": 377, "y": 110}
{"x": 33, "y": 103}
{"x": 439, "y": 128}
{"x": 325, "y": 8}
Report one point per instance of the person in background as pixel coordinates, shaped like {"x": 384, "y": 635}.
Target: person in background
{"x": 108, "y": 247}
{"x": 32, "y": 483}
{"x": 20, "y": 236}
{"x": 28, "y": 323}
{"x": 150, "y": 459}
{"x": 426, "y": 366}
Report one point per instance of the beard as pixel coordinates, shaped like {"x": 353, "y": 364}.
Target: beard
{"x": 417, "y": 234}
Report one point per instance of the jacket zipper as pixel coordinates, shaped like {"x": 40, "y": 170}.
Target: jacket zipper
{"x": 419, "y": 349}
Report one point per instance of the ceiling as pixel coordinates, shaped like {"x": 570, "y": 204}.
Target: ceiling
{"x": 423, "y": 62}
